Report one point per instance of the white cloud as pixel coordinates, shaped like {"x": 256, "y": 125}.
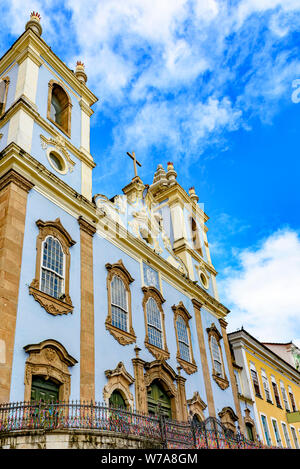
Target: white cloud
{"x": 263, "y": 293}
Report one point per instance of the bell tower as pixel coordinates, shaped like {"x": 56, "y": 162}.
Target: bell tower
{"x": 46, "y": 108}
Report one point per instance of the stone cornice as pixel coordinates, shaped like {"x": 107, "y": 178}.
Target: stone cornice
{"x": 30, "y": 39}
{"x": 14, "y": 177}
{"x": 244, "y": 339}
{"x": 31, "y": 53}
{"x": 24, "y": 104}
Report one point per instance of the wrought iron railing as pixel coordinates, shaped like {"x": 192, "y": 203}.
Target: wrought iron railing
{"x": 166, "y": 433}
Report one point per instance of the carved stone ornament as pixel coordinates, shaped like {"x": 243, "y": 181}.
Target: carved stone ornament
{"x": 159, "y": 370}
{"x": 52, "y": 305}
{"x": 228, "y": 418}
{"x": 196, "y": 406}
{"x": 50, "y": 360}
{"x": 123, "y": 337}
{"x": 223, "y": 383}
{"x": 158, "y": 353}
{"x": 57, "y": 144}
{"x": 189, "y": 367}
{"x": 119, "y": 379}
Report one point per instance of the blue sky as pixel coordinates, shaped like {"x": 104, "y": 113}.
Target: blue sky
{"x": 208, "y": 85}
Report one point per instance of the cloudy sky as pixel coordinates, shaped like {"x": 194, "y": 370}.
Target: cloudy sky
{"x": 212, "y": 86}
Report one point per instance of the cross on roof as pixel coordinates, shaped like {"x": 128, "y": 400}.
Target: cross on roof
{"x": 135, "y": 162}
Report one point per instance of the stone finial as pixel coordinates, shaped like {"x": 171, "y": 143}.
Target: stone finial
{"x": 79, "y": 72}
{"x": 159, "y": 180}
{"x": 34, "y": 23}
{"x": 137, "y": 351}
{"x": 171, "y": 174}
{"x": 193, "y": 195}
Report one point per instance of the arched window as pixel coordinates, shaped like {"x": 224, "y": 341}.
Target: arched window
{"x": 154, "y": 323}
{"x": 195, "y": 236}
{"x": 52, "y": 268}
{"x": 4, "y": 82}
{"x": 216, "y": 356}
{"x": 50, "y": 287}
{"x": 249, "y": 428}
{"x": 184, "y": 347}
{"x": 119, "y": 306}
{"x": 155, "y": 339}
{"x": 218, "y": 373}
{"x": 116, "y": 400}
{"x": 183, "y": 337}
{"x": 119, "y": 317}
{"x": 59, "y": 107}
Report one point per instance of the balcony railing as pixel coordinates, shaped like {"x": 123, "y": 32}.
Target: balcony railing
{"x": 210, "y": 434}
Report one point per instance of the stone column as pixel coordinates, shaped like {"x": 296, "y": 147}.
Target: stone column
{"x": 182, "y": 396}
{"x": 14, "y": 190}
{"x": 223, "y": 324}
{"x": 87, "y": 339}
{"x": 139, "y": 384}
{"x": 204, "y": 362}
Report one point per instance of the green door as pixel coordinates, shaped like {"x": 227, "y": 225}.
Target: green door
{"x": 116, "y": 400}
{"x": 44, "y": 390}
{"x": 157, "y": 396}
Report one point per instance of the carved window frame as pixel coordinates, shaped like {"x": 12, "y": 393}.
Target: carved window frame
{"x": 190, "y": 366}
{"x": 119, "y": 380}
{"x": 66, "y": 127}
{"x": 6, "y": 80}
{"x": 48, "y": 359}
{"x": 51, "y": 304}
{"x": 118, "y": 269}
{"x": 222, "y": 381}
{"x": 158, "y": 353}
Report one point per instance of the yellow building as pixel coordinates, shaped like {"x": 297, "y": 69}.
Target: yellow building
{"x": 268, "y": 389}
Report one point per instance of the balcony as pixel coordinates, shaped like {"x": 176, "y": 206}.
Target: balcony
{"x": 293, "y": 417}
{"x": 30, "y": 425}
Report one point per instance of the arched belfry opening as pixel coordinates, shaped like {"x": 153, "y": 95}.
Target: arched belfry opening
{"x": 59, "y": 107}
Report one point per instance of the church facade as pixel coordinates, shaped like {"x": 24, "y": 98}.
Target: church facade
{"x": 111, "y": 300}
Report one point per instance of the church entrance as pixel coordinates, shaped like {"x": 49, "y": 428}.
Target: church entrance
{"x": 116, "y": 400}
{"x": 44, "y": 390}
{"x": 156, "y": 398}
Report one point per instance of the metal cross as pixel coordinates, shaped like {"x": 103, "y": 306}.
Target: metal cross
{"x": 135, "y": 162}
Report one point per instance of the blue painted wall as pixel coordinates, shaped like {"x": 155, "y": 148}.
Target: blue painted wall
{"x": 34, "y": 324}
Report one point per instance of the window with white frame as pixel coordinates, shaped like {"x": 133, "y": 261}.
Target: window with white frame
{"x": 276, "y": 432}
{"x": 294, "y": 435}
{"x": 292, "y": 399}
{"x": 284, "y": 397}
{"x": 276, "y": 393}
{"x": 266, "y": 385}
{"x": 238, "y": 382}
{"x": 119, "y": 306}
{"x": 255, "y": 380}
{"x": 266, "y": 429}
{"x": 286, "y": 435}
{"x": 154, "y": 324}
{"x": 52, "y": 267}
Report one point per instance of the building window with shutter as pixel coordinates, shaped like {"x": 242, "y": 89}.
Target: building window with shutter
{"x": 266, "y": 386}
{"x": 294, "y": 435}
{"x": 292, "y": 399}
{"x": 276, "y": 432}
{"x": 286, "y": 435}
{"x": 255, "y": 380}
{"x": 276, "y": 393}
{"x": 284, "y": 397}
{"x": 266, "y": 429}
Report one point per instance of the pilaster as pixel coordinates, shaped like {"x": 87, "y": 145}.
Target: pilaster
{"x": 87, "y": 339}
{"x": 182, "y": 396}
{"x": 14, "y": 189}
{"x": 223, "y": 324}
{"x": 207, "y": 382}
{"x": 139, "y": 383}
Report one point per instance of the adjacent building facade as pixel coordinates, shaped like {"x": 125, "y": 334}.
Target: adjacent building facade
{"x": 269, "y": 390}
{"x": 110, "y": 300}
